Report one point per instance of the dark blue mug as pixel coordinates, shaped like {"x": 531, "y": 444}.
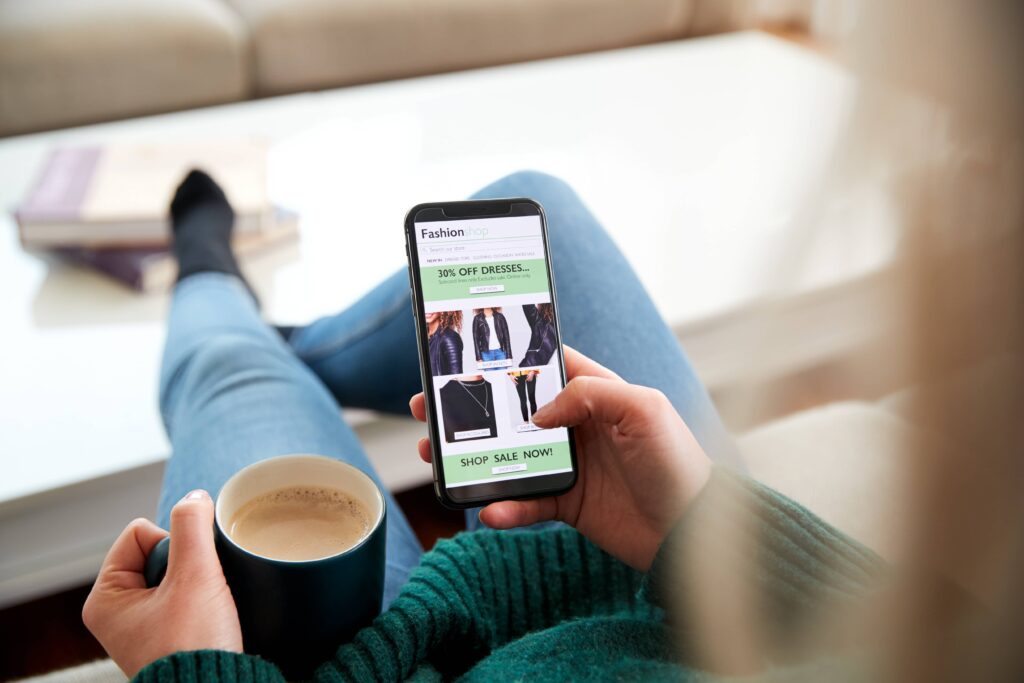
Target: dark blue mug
{"x": 296, "y": 613}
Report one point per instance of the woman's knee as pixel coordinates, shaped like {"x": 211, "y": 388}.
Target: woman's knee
{"x": 545, "y": 188}
{"x": 568, "y": 218}
{"x": 223, "y": 361}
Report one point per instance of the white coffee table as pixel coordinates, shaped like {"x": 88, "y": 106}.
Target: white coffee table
{"x": 696, "y": 155}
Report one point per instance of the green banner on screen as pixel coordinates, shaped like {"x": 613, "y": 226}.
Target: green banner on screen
{"x": 500, "y": 278}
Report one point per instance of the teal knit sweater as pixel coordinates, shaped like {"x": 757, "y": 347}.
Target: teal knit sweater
{"x": 550, "y": 606}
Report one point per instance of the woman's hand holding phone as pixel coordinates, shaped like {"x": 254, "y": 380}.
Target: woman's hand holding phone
{"x": 639, "y": 465}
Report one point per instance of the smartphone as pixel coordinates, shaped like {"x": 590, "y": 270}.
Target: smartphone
{"x": 490, "y": 349}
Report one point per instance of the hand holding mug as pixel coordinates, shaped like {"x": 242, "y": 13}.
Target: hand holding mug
{"x": 192, "y": 609}
{"x": 639, "y": 464}
{"x": 230, "y": 574}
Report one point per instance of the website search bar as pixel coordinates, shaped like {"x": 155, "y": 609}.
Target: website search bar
{"x": 485, "y": 250}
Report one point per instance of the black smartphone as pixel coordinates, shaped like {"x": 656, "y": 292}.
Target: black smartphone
{"x": 490, "y": 349}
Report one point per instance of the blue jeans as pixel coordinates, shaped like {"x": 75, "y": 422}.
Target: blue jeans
{"x": 493, "y": 354}
{"x": 233, "y": 392}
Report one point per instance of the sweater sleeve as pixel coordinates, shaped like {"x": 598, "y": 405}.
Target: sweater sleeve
{"x": 789, "y": 561}
{"x": 203, "y": 666}
{"x": 480, "y": 590}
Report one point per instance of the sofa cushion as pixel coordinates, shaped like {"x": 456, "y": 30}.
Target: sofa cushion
{"x": 100, "y": 671}
{"x": 64, "y": 62}
{"x": 846, "y": 462}
{"x": 309, "y": 44}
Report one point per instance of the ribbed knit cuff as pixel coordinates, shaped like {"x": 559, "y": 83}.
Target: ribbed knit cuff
{"x": 794, "y": 559}
{"x": 209, "y": 665}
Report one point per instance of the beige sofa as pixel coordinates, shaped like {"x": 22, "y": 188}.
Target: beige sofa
{"x": 68, "y": 62}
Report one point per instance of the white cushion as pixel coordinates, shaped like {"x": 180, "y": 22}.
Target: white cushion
{"x": 308, "y": 44}
{"x": 64, "y": 62}
{"x": 845, "y": 462}
{"x": 100, "y": 671}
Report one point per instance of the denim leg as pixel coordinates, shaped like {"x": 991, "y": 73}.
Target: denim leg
{"x": 521, "y": 391}
{"x": 232, "y": 393}
{"x": 366, "y": 355}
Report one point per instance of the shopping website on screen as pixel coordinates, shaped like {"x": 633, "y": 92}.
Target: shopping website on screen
{"x": 492, "y": 347}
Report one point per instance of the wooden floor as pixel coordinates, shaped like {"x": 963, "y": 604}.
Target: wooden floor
{"x": 47, "y": 634}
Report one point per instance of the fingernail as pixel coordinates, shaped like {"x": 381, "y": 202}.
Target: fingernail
{"x": 197, "y": 494}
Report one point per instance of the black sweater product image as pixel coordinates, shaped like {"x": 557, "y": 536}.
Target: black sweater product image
{"x": 445, "y": 350}
{"x": 482, "y": 334}
{"x": 467, "y": 406}
{"x": 542, "y": 338}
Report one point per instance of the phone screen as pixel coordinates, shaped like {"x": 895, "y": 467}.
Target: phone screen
{"x": 492, "y": 352}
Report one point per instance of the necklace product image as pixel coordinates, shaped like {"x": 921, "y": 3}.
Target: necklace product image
{"x": 487, "y": 397}
{"x": 467, "y": 410}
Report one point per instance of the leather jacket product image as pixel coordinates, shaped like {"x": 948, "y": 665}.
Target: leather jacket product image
{"x": 542, "y": 338}
{"x": 482, "y": 334}
{"x": 445, "y": 350}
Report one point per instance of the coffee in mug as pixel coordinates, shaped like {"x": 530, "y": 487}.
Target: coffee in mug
{"x": 299, "y": 523}
{"x": 328, "y": 515}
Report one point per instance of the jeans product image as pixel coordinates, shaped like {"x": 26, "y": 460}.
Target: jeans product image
{"x": 495, "y": 354}
{"x": 233, "y": 392}
{"x": 526, "y": 387}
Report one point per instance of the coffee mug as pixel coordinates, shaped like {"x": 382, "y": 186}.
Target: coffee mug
{"x": 296, "y": 613}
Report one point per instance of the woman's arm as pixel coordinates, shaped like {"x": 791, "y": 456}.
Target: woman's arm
{"x": 787, "y": 561}
{"x": 478, "y": 591}
{"x": 479, "y": 335}
{"x": 547, "y": 345}
{"x": 530, "y": 311}
{"x": 451, "y": 350}
{"x": 503, "y": 337}
{"x": 471, "y": 594}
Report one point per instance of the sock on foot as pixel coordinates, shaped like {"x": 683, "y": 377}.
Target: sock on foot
{"x": 202, "y": 221}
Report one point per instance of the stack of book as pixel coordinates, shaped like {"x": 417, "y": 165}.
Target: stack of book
{"x": 108, "y": 207}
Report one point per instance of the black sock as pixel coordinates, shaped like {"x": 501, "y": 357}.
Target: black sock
{"x": 202, "y": 221}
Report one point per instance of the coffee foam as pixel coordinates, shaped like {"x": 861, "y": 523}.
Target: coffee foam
{"x": 299, "y": 523}
{"x": 318, "y": 495}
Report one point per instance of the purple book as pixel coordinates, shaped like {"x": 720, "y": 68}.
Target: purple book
{"x": 145, "y": 269}
{"x": 151, "y": 269}
{"x": 118, "y": 195}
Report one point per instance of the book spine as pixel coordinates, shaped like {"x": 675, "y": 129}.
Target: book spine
{"x": 129, "y": 270}
{"x": 61, "y": 188}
